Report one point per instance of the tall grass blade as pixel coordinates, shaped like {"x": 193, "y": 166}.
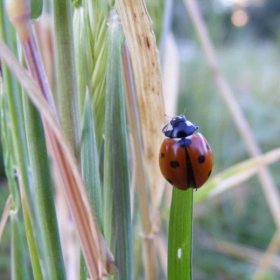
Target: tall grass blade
{"x": 14, "y": 202}
{"x": 13, "y": 114}
{"x": 141, "y": 41}
{"x": 98, "y": 258}
{"x": 66, "y": 75}
{"x": 43, "y": 193}
{"x": 116, "y": 210}
{"x": 18, "y": 256}
{"x": 81, "y": 44}
{"x": 180, "y": 235}
{"x": 148, "y": 240}
{"x": 36, "y": 267}
{"x": 40, "y": 173}
{"x": 14, "y": 141}
{"x": 90, "y": 160}
{"x": 8, "y": 151}
{"x": 90, "y": 168}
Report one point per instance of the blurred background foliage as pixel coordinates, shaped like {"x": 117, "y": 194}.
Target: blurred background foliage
{"x": 246, "y": 38}
{"x": 245, "y": 35}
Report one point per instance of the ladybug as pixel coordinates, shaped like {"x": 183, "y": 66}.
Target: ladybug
{"x": 185, "y": 158}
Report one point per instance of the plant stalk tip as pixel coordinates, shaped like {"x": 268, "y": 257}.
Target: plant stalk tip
{"x": 19, "y": 14}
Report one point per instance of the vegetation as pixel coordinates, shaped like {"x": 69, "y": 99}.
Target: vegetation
{"x": 233, "y": 229}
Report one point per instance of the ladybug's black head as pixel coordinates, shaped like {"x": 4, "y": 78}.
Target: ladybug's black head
{"x": 178, "y": 119}
{"x": 179, "y": 127}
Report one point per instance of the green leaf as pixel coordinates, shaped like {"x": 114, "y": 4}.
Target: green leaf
{"x": 116, "y": 210}
{"x": 180, "y": 235}
{"x": 36, "y": 8}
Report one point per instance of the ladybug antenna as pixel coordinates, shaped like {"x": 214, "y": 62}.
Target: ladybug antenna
{"x": 167, "y": 116}
{"x": 185, "y": 110}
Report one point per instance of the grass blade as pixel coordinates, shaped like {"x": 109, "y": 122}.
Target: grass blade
{"x": 90, "y": 168}
{"x": 97, "y": 255}
{"x": 148, "y": 240}
{"x": 180, "y": 235}
{"x": 141, "y": 41}
{"x": 32, "y": 246}
{"x": 90, "y": 161}
{"x": 66, "y": 75}
{"x": 43, "y": 192}
{"x": 117, "y": 218}
{"x": 18, "y": 258}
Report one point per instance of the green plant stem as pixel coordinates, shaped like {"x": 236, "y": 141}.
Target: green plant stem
{"x": 66, "y": 76}
{"x": 180, "y": 235}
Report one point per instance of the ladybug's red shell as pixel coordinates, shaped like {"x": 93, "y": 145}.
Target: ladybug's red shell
{"x": 186, "y": 162}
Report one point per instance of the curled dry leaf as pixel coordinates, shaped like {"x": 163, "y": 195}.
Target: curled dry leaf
{"x": 141, "y": 40}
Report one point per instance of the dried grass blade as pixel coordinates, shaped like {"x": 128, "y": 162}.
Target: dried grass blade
{"x": 149, "y": 259}
{"x": 141, "y": 40}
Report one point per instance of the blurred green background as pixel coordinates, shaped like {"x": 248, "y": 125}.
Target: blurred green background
{"x": 246, "y": 36}
{"x": 248, "y": 51}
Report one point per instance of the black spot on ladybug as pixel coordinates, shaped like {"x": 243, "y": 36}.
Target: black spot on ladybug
{"x": 174, "y": 164}
{"x": 201, "y": 159}
{"x": 207, "y": 147}
{"x": 162, "y": 155}
{"x": 170, "y": 181}
{"x": 184, "y": 142}
{"x": 209, "y": 173}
